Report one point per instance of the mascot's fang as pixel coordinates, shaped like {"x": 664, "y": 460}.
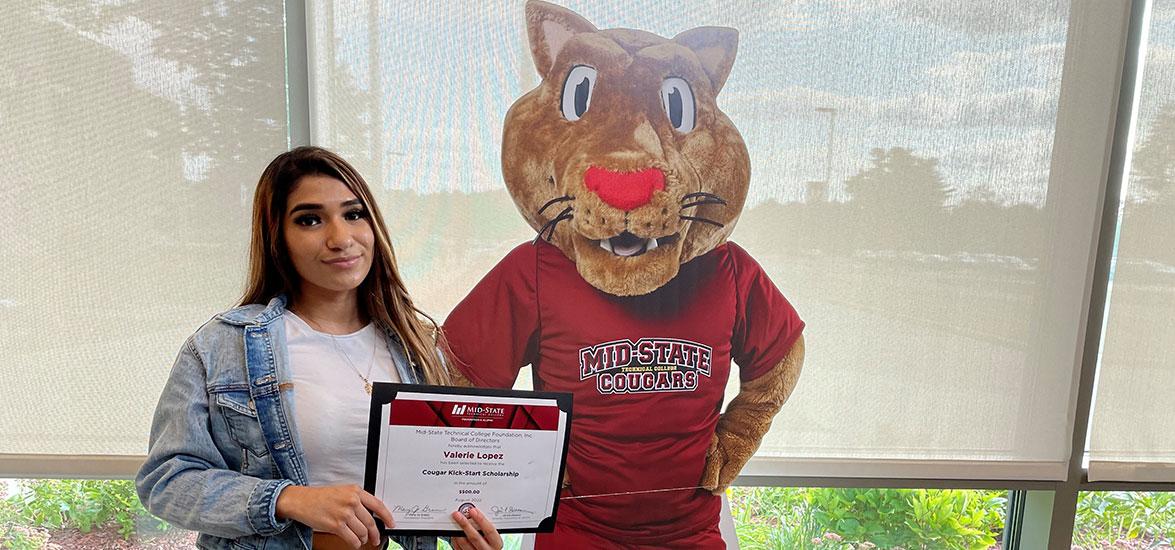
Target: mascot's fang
{"x": 628, "y": 245}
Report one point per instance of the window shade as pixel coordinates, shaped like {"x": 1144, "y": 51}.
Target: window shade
{"x": 133, "y": 134}
{"x": 1133, "y": 433}
{"x": 926, "y": 178}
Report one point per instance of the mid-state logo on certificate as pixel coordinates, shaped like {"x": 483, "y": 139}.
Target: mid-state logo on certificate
{"x": 443, "y": 412}
{"x": 648, "y": 365}
{"x": 476, "y": 413}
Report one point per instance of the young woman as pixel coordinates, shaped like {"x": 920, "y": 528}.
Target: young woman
{"x": 259, "y": 438}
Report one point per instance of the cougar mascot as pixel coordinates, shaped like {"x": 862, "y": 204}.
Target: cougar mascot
{"x": 631, "y": 297}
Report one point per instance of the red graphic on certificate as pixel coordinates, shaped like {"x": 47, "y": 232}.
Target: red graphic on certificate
{"x": 459, "y": 414}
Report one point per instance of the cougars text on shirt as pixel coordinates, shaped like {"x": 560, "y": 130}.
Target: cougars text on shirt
{"x": 647, "y": 365}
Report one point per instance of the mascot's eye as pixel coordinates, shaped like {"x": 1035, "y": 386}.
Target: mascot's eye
{"x": 678, "y": 100}
{"x": 577, "y": 91}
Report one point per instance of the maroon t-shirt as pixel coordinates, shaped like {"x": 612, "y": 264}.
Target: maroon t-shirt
{"x": 647, "y": 372}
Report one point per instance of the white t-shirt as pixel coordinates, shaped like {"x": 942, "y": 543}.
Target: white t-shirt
{"x": 331, "y": 406}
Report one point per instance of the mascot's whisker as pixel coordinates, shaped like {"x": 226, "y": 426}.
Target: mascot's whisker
{"x": 703, "y": 199}
{"x": 704, "y": 195}
{"x": 701, "y": 219}
{"x": 702, "y": 202}
{"x": 555, "y": 200}
{"x": 549, "y": 227}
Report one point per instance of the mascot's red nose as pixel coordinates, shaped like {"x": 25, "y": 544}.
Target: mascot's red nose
{"x": 624, "y": 190}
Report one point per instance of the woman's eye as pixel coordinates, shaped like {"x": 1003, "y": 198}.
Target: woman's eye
{"x": 577, "y": 92}
{"x": 678, "y": 100}
{"x": 356, "y": 214}
{"x": 307, "y": 220}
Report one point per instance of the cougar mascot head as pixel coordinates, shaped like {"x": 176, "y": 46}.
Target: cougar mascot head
{"x": 630, "y": 297}
{"x": 621, "y": 157}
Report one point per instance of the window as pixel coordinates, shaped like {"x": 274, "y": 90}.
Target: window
{"x": 133, "y": 136}
{"x": 1133, "y": 433}
{"x": 903, "y": 197}
{"x": 927, "y": 187}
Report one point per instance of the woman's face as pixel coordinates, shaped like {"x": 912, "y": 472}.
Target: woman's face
{"x": 328, "y": 236}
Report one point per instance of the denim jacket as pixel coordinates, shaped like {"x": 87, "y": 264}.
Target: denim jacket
{"x": 223, "y": 440}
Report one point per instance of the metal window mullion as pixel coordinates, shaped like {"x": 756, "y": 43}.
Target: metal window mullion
{"x": 297, "y": 74}
{"x": 893, "y": 483}
{"x": 1064, "y": 502}
{"x": 1013, "y": 519}
{"x": 46, "y": 466}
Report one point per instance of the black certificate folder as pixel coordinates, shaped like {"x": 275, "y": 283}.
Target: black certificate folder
{"x": 433, "y": 450}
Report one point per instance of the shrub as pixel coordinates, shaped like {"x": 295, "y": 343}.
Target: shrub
{"x": 14, "y": 531}
{"x": 79, "y": 504}
{"x": 1105, "y": 517}
{"x": 778, "y": 518}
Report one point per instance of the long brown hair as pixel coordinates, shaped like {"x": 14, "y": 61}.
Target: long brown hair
{"x": 382, "y": 295}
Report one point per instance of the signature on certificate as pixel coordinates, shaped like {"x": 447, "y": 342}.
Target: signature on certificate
{"x": 416, "y": 511}
{"x": 511, "y": 512}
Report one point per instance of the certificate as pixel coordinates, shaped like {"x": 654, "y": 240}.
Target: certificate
{"x": 432, "y": 450}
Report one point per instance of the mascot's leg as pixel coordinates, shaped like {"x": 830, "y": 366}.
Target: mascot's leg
{"x": 565, "y": 538}
{"x": 726, "y": 525}
{"x": 573, "y": 531}
{"x": 747, "y": 418}
{"x": 573, "y": 539}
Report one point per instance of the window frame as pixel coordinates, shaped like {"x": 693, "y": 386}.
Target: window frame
{"x": 1090, "y": 150}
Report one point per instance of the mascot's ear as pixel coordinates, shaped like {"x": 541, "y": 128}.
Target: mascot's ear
{"x": 715, "y": 48}
{"x": 550, "y": 27}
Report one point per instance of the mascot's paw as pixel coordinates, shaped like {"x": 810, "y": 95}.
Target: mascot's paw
{"x": 747, "y": 418}
{"x": 725, "y": 459}
{"x": 711, "y": 475}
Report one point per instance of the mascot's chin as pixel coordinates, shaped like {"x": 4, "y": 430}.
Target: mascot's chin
{"x": 630, "y": 296}
{"x": 627, "y": 264}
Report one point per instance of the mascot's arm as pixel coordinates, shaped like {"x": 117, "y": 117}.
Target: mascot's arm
{"x": 748, "y": 417}
{"x": 491, "y": 333}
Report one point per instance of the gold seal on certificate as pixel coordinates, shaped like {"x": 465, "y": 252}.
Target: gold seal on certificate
{"x": 432, "y": 450}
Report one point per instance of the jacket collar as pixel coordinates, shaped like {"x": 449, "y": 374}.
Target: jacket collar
{"x": 261, "y": 315}
{"x": 256, "y": 314}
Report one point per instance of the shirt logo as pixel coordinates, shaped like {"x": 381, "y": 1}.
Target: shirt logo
{"x": 649, "y": 365}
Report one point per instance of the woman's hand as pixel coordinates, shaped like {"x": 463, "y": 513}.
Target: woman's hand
{"x": 342, "y": 510}
{"x": 487, "y": 539}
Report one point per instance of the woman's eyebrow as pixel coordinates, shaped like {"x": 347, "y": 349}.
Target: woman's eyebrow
{"x": 305, "y": 206}
{"x": 316, "y": 206}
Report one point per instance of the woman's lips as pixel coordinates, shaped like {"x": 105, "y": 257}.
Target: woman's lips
{"x": 343, "y": 263}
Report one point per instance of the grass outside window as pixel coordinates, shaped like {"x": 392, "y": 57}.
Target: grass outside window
{"x": 103, "y": 514}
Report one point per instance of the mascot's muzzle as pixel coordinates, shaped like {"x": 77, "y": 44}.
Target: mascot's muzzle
{"x": 624, "y": 190}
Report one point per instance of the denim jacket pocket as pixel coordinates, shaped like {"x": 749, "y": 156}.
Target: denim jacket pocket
{"x": 208, "y": 542}
{"x": 247, "y": 543}
{"x": 244, "y": 429}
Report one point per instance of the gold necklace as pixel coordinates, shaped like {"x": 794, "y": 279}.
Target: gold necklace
{"x": 334, "y": 343}
{"x": 371, "y": 363}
